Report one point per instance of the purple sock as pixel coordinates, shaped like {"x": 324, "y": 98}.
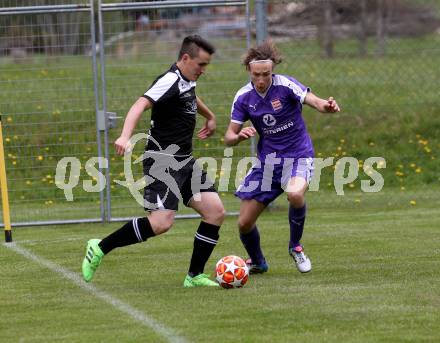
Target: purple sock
{"x": 251, "y": 242}
{"x": 297, "y": 217}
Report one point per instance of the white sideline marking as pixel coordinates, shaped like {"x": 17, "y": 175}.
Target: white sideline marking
{"x": 45, "y": 241}
{"x": 116, "y": 303}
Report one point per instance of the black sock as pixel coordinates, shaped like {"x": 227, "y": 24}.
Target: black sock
{"x": 135, "y": 231}
{"x": 204, "y": 243}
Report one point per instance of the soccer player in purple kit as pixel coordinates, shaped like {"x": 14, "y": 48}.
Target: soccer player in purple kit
{"x": 273, "y": 104}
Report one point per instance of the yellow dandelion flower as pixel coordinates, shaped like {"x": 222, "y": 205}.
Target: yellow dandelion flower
{"x": 14, "y": 163}
{"x": 402, "y": 188}
{"x": 29, "y": 182}
{"x": 412, "y": 165}
{"x": 351, "y": 185}
{"x": 342, "y": 140}
{"x": 418, "y": 170}
{"x": 413, "y": 202}
{"x": 206, "y": 145}
{"x": 7, "y": 140}
{"x": 371, "y": 144}
{"x": 40, "y": 158}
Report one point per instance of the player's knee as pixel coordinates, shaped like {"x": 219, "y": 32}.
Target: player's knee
{"x": 245, "y": 225}
{"x": 296, "y": 199}
{"x": 161, "y": 224}
{"x": 215, "y": 215}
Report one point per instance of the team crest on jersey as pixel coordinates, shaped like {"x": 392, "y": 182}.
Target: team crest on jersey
{"x": 276, "y": 104}
{"x": 269, "y": 120}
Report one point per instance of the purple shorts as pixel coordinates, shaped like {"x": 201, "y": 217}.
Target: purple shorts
{"x": 265, "y": 182}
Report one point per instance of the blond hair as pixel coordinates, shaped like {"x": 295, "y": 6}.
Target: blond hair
{"x": 265, "y": 51}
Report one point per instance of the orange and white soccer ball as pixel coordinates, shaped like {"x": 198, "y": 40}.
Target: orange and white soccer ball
{"x": 231, "y": 272}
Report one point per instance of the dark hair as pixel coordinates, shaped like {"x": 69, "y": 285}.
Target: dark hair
{"x": 192, "y": 44}
{"x": 265, "y": 51}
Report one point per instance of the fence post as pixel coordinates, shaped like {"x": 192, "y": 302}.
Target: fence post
{"x": 261, "y": 33}
{"x": 261, "y": 20}
{"x": 95, "y": 90}
{"x": 104, "y": 107}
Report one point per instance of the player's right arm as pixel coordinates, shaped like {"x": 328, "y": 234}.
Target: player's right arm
{"x": 236, "y": 133}
{"x": 131, "y": 120}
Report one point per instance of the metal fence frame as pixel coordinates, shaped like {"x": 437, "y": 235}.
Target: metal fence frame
{"x": 96, "y": 7}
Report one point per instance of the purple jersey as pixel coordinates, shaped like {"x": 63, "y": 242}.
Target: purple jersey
{"x": 276, "y": 117}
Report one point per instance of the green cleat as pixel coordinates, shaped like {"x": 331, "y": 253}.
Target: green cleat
{"x": 92, "y": 260}
{"x": 201, "y": 280}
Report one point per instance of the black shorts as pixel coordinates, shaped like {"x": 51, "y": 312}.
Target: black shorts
{"x": 171, "y": 179}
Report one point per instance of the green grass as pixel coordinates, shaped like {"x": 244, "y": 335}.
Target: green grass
{"x": 375, "y": 275}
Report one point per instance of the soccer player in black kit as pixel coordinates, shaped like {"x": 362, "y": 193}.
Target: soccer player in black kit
{"x": 168, "y": 156}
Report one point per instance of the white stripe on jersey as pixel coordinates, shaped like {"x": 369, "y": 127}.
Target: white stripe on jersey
{"x": 236, "y": 121}
{"x": 161, "y": 86}
{"x": 281, "y": 80}
{"x": 241, "y": 91}
{"x": 184, "y": 85}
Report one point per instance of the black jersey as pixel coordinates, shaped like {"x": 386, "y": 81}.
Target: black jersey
{"x": 173, "y": 116}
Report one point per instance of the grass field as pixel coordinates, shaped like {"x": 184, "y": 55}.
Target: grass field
{"x": 375, "y": 279}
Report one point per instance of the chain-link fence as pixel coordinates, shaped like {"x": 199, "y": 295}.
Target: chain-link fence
{"x": 47, "y": 102}
{"x": 378, "y": 58}
{"x": 143, "y": 44}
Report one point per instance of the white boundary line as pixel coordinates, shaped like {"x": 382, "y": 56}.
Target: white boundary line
{"x": 135, "y": 314}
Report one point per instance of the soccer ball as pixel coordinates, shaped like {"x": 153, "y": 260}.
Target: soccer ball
{"x": 231, "y": 272}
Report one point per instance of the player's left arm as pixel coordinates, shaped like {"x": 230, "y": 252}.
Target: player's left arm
{"x": 325, "y": 106}
{"x": 208, "y": 129}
